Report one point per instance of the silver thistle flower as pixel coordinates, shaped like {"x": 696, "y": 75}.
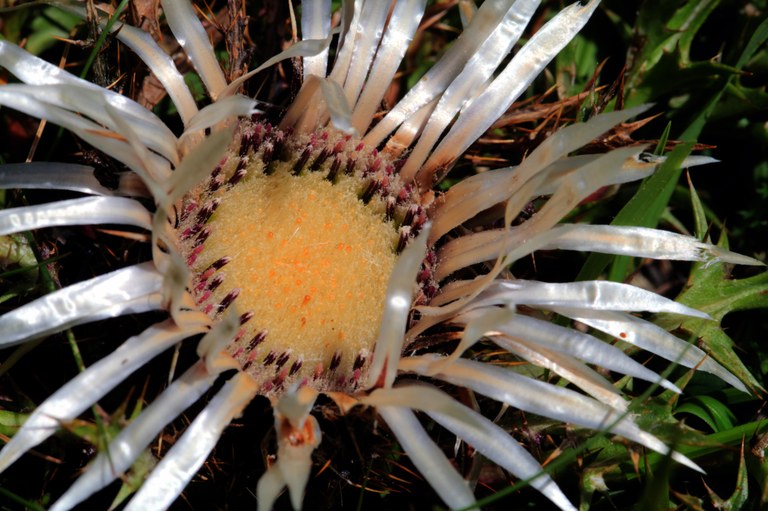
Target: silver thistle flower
{"x": 385, "y": 175}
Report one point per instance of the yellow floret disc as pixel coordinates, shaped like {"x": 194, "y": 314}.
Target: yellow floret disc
{"x": 312, "y": 263}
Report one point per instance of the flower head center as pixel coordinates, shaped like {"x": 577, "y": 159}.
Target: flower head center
{"x": 301, "y": 234}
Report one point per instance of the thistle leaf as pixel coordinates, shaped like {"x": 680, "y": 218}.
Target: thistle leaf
{"x": 710, "y": 289}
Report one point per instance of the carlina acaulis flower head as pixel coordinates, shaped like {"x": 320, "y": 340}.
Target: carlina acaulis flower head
{"x": 301, "y": 232}
{"x": 313, "y": 255}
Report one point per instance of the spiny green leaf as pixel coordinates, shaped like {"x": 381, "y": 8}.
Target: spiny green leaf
{"x": 757, "y": 465}
{"x": 710, "y": 444}
{"x": 740, "y": 494}
{"x": 688, "y": 20}
{"x": 710, "y": 289}
{"x": 656, "y": 494}
{"x": 667, "y": 29}
{"x": 134, "y": 478}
